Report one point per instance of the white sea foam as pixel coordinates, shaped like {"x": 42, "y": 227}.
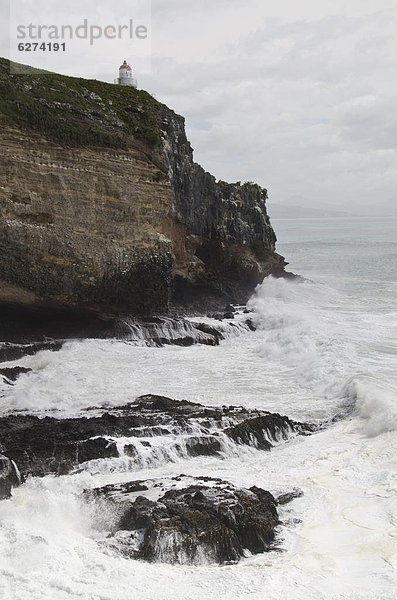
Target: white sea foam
{"x": 376, "y": 404}
{"x": 319, "y": 352}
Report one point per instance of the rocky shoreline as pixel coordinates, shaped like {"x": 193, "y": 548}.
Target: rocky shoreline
{"x": 180, "y": 520}
{"x": 144, "y": 432}
{"x": 33, "y": 336}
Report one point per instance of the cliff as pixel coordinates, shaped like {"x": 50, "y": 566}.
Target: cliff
{"x": 103, "y": 207}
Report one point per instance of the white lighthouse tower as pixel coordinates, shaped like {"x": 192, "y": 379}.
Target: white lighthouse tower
{"x": 125, "y": 75}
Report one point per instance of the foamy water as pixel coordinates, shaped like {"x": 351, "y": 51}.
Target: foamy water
{"x": 323, "y": 348}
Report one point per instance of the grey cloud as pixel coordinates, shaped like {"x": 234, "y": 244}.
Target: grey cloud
{"x": 283, "y": 105}
{"x": 297, "y": 96}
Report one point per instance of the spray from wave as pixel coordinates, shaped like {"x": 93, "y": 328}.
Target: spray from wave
{"x": 308, "y": 328}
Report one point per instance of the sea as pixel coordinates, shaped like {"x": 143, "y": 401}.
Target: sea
{"x": 324, "y": 352}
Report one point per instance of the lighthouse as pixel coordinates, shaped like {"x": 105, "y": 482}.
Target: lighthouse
{"x": 125, "y": 75}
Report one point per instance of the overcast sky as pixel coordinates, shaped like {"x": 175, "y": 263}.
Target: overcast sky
{"x": 297, "y": 95}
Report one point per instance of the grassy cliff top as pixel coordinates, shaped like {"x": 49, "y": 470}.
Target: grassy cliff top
{"x": 79, "y": 112}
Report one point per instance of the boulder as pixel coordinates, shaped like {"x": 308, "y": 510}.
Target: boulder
{"x": 250, "y": 324}
{"x": 261, "y": 431}
{"x": 228, "y": 315}
{"x": 203, "y": 446}
{"x": 194, "y": 521}
{"x": 289, "y": 497}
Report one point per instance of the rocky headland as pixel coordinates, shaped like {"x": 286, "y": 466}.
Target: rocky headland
{"x": 108, "y": 228}
{"x": 102, "y": 207}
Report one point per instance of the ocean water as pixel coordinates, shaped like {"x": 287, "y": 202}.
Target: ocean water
{"x": 324, "y": 347}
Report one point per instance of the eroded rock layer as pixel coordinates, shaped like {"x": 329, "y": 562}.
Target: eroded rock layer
{"x": 102, "y": 205}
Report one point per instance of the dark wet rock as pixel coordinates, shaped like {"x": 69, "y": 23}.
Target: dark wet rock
{"x": 156, "y": 403}
{"x": 131, "y": 451}
{"x": 203, "y": 446}
{"x": 95, "y": 448}
{"x": 182, "y": 341}
{"x": 260, "y": 430}
{"x": 10, "y": 352}
{"x": 149, "y": 431}
{"x": 150, "y": 331}
{"x": 308, "y": 428}
{"x": 12, "y": 373}
{"x": 40, "y": 446}
{"x": 205, "y": 328}
{"x": 20, "y": 329}
{"x": 31, "y": 325}
{"x": 250, "y": 324}
{"x": 289, "y": 497}
{"x": 194, "y": 521}
{"x": 289, "y": 275}
{"x": 216, "y": 316}
{"x": 177, "y": 331}
{"x": 230, "y": 308}
{"x": 43, "y": 446}
{"x": 228, "y": 315}
{"x": 9, "y": 477}
{"x": 166, "y": 330}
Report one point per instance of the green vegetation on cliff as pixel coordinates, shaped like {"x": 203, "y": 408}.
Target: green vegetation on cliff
{"x": 78, "y": 112}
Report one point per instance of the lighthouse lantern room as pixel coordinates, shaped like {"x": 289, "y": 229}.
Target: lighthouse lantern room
{"x": 125, "y": 75}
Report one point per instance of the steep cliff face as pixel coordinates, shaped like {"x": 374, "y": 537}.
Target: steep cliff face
{"x": 102, "y": 205}
{"x": 229, "y": 231}
{"x": 229, "y": 212}
{"x": 69, "y": 232}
